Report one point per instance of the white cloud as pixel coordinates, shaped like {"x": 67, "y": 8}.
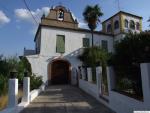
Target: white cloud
{"x": 3, "y": 18}
{"x": 24, "y": 14}
{"x": 82, "y": 23}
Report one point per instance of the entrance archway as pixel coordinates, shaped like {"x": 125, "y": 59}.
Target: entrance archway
{"x": 60, "y": 72}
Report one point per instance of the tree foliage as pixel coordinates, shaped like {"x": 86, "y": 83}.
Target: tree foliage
{"x": 7, "y": 64}
{"x": 95, "y": 56}
{"x": 36, "y": 82}
{"x": 134, "y": 48}
{"x": 3, "y": 84}
{"x": 91, "y": 16}
{"x": 129, "y": 53}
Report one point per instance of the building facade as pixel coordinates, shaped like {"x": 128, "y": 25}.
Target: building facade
{"x": 59, "y": 41}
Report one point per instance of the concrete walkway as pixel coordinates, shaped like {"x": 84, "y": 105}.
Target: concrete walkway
{"x": 65, "y": 99}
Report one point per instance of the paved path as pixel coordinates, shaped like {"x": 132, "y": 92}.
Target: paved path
{"x": 65, "y": 99}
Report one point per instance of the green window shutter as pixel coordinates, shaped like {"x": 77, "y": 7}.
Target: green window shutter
{"x": 86, "y": 42}
{"x": 60, "y": 44}
{"x": 105, "y": 45}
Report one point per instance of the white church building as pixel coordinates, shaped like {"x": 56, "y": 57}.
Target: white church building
{"x": 59, "y": 41}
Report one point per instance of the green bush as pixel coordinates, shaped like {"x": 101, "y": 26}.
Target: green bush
{"x": 23, "y": 65}
{"x": 7, "y": 64}
{"x": 95, "y": 56}
{"x": 129, "y": 53}
{"x": 3, "y": 84}
{"x": 133, "y": 49}
{"x": 20, "y": 65}
{"x": 35, "y": 82}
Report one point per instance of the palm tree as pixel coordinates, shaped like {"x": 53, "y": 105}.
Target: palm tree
{"x": 92, "y": 56}
{"x": 91, "y": 16}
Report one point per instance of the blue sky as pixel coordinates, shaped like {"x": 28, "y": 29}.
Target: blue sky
{"x": 17, "y": 28}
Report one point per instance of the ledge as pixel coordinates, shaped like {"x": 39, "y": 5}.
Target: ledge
{"x": 129, "y": 95}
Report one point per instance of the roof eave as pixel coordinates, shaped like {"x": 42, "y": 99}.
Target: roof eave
{"x": 39, "y": 27}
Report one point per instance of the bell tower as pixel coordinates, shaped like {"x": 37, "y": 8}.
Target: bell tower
{"x": 122, "y": 22}
{"x": 60, "y": 17}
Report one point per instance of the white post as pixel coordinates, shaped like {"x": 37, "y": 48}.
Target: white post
{"x": 110, "y": 78}
{"x": 83, "y": 73}
{"x": 89, "y": 72}
{"x": 13, "y": 93}
{"x": 145, "y": 76}
{"x": 99, "y": 76}
{"x": 26, "y": 89}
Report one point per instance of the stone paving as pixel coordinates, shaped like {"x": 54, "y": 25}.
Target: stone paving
{"x": 65, "y": 99}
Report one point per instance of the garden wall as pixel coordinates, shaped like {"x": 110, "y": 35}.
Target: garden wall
{"x": 116, "y": 101}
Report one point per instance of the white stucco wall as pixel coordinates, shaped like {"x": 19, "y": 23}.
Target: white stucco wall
{"x": 39, "y": 65}
{"x": 116, "y": 18}
{"x": 106, "y": 24}
{"x": 118, "y": 102}
{"x": 112, "y": 21}
{"x": 73, "y": 46}
{"x": 118, "y": 37}
{"x": 131, "y": 18}
{"x": 73, "y": 40}
{"x": 124, "y": 16}
{"x": 110, "y": 40}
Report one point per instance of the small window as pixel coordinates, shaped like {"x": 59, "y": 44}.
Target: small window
{"x": 126, "y": 23}
{"x": 109, "y": 28}
{"x": 61, "y": 15}
{"x": 105, "y": 45}
{"x": 86, "y": 42}
{"x": 60, "y": 44}
{"x": 132, "y": 24}
{"x": 137, "y": 26}
{"x": 116, "y": 24}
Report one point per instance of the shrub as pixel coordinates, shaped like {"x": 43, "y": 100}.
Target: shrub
{"x": 23, "y": 65}
{"x": 35, "y": 82}
{"x": 133, "y": 49}
{"x": 4, "y": 66}
{"x": 3, "y": 101}
{"x": 93, "y": 56}
{"x": 129, "y": 53}
{"x": 3, "y": 84}
{"x": 7, "y": 64}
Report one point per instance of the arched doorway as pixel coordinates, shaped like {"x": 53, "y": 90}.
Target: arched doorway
{"x": 60, "y": 72}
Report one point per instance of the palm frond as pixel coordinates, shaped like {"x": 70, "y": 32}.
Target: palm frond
{"x": 91, "y": 15}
